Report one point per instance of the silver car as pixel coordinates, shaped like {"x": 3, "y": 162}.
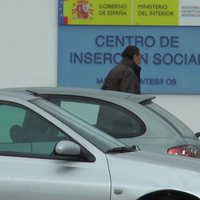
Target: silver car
{"x": 132, "y": 119}
{"x": 47, "y": 154}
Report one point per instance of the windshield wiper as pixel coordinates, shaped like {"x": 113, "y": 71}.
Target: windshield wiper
{"x": 123, "y": 149}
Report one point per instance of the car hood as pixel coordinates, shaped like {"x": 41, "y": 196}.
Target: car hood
{"x": 149, "y": 172}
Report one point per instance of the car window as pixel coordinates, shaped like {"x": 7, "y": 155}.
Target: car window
{"x": 88, "y": 112}
{"x": 24, "y": 132}
{"x": 101, "y": 140}
{"x": 109, "y": 117}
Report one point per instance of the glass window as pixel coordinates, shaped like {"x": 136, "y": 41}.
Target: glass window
{"x": 24, "y": 132}
{"x": 98, "y": 138}
{"x": 111, "y": 118}
{"x": 88, "y": 112}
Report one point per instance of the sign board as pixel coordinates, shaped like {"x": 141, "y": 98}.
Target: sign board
{"x": 130, "y": 12}
{"x": 170, "y": 54}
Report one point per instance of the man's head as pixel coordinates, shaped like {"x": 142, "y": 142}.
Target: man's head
{"x": 133, "y": 53}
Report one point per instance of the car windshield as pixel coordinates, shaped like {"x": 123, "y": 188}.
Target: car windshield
{"x": 101, "y": 140}
{"x": 169, "y": 118}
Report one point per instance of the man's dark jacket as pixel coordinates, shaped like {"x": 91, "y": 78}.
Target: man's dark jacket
{"x": 124, "y": 77}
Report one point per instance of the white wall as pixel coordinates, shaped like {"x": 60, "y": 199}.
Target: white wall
{"x": 28, "y": 53}
{"x": 28, "y": 43}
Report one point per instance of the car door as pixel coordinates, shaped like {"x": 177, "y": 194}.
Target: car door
{"x": 29, "y": 168}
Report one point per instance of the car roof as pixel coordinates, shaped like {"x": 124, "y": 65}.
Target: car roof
{"x": 14, "y": 94}
{"x": 82, "y": 92}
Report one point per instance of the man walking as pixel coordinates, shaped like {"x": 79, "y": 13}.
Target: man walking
{"x": 125, "y": 76}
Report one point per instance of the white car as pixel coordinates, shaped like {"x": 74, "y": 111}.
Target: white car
{"x": 47, "y": 154}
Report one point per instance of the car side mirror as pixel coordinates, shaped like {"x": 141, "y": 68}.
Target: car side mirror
{"x": 67, "y": 148}
{"x": 197, "y": 135}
